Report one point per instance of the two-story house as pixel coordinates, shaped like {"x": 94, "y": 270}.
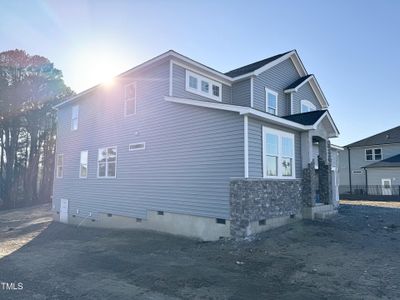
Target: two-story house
{"x": 176, "y": 146}
{"x": 371, "y": 166}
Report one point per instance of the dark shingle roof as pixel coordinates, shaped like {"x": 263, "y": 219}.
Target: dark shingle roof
{"x": 308, "y": 118}
{"x": 254, "y": 66}
{"x": 386, "y": 137}
{"x": 298, "y": 82}
{"x": 393, "y": 161}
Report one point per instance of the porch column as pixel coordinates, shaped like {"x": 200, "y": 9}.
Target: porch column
{"x": 309, "y": 179}
{"x": 325, "y": 172}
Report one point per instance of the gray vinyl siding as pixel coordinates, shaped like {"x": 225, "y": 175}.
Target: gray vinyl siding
{"x": 305, "y": 92}
{"x": 358, "y": 161}
{"x": 375, "y": 176}
{"x": 255, "y": 148}
{"x": 277, "y": 79}
{"x": 191, "y": 153}
{"x": 241, "y": 93}
{"x": 179, "y": 87}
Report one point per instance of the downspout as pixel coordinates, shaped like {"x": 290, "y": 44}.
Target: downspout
{"x": 348, "y": 156}
{"x": 366, "y": 180}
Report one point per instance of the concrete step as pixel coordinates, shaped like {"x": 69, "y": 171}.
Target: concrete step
{"x": 325, "y": 214}
{"x": 323, "y": 207}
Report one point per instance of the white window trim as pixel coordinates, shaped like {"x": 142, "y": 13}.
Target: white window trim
{"x": 130, "y": 99}
{"x": 138, "y": 149}
{"x": 308, "y": 104}
{"x": 198, "y": 91}
{"x": 87, "y": 164}
{"x": 267, "y": 90}
{"x": 62, "y": 166}
{"x": 373, "y": 154}
{"x": 116, "y": 159}
{"x": 280, "y": 134}
{"x": 72, "y": 118}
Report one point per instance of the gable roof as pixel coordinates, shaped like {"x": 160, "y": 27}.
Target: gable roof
{"x": 390, "y": 136}
{"x": 299, "y": 82}
{"x": 253, "y": 69}
{"x": 254, "y": 66}
{"x": 308, "y": 118}
{"x": 393, "y": 161}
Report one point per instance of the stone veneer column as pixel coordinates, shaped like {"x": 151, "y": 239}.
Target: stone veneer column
{"x": 309, "y": 183}
{"x": 325, "y": 176}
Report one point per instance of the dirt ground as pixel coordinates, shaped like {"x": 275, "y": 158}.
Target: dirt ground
{"x": 356, "y": 255}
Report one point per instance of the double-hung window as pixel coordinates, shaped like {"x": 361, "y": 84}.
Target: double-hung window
{"x": 83, "y": 166}
{"x": 107, "y": 162}
{"x": 271, "y": 102}
{"x": 75, "y": 117}
{"x": 203, "y": 86}
{"x": 307, "y": 106}
{"x": 373, "y": 154}
{"x": 130, "y": 99}
{"x": 60, "y": 166}
{"x": 278, "y": 154}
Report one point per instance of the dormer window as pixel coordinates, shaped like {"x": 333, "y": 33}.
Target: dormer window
{"x": 203, "y": 86}
{"x": 307, "y": 106}
{"x": 271, "y": 102}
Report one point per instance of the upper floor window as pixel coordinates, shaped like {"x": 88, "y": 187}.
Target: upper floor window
{"x": 130, "y": 99}
{"x": 203, "y": 86}
{"x": 60, "y": 165}
{"x": 107, "y": 162}
{"x": 83, "y": 168}
{"x": 74, "y": 117}
{"x": 278, "y": 153}
{"x": 373, "y": 154}
{"x": 307, "y": 106}
{"x": 271, "y": 101}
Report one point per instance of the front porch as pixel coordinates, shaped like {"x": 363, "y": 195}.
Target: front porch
{"x": 318, "y": 197}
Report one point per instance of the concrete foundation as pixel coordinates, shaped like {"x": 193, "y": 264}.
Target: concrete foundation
{"x": 185, "y": 225}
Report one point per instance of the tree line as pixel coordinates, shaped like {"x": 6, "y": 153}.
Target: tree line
{"x": 29, "y": 88}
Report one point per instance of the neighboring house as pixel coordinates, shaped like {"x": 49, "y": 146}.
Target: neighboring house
{"x": 372, "y": 165}
{"x": 179, "y": 147}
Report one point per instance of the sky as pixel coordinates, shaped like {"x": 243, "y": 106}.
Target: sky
{"x": 352, "y": 47}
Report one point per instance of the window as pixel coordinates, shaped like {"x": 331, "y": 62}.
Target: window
{"x": 271, "y": 101}
{"x": 307, "y": 106}
{"x": 193, "y": 82}
{"x": 107, "y": 162}
{"x": 74, "y": 117}
{"x": 373, "y": 154}
{"x": 83, "y": 167}
{"x": 137, "y": 146}
{"x": 278, "y": 153}
{"x": 60, "y": 166}
{"x": 130, "y": 99}
{"x": 203, "y": 86}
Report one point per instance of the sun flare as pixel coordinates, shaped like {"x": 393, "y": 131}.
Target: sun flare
{"x": 97, "y": 67}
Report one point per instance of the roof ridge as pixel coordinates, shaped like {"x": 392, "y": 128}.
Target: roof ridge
{"x": 262, "y": 62}
{"x": 374, "y": 135}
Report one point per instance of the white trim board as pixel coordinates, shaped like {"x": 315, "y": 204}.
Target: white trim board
{"x": 241, "y": 110}
{"x": 254, "y": 113}
{"x": 246, "y": 146}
